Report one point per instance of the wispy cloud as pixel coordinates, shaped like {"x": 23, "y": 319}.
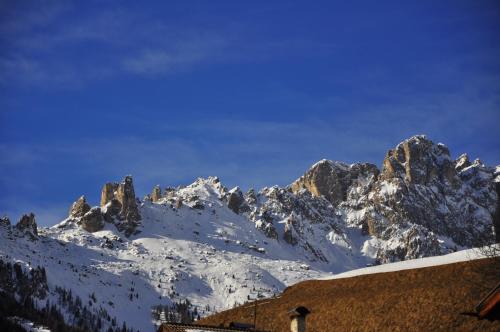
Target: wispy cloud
{"x": 41, "y": 47}
{"x": 178, "y": 55}
{"x": 36, "y": 46}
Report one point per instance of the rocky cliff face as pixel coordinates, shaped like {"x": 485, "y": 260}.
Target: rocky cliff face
{"x": 421, "y": 186}
{"x": 419, "y": 161}
{"x": 300, "y": 219}
{"x": 118, "y": 206}
{"x": 420, "y": 194}
{"x": 27, "y": 224}
{"x": 156, "y": 194}
{"x": 236, "y": 201}
{"x": 332, "y": 179}
{"x": 79, "y": 208}
{"x": 124, "y": 194}
{"x": 93, "y": 220}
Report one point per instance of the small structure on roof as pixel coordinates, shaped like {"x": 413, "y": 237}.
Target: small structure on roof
{"x": 298, "y": 319}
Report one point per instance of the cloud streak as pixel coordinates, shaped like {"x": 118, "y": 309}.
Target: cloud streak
{"x": 39, "y": 47}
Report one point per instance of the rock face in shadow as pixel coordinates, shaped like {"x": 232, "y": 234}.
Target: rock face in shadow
{"x": 93, "y": 220}
{"x": 27, "y": 224}
{"x": 5, "y": 221}
{"x": 289, "y": 234}
{"x": 235, "y": 200}
{"x": 126, "y": 196}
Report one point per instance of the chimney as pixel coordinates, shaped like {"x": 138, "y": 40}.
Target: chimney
{"x": 298, "y": 319}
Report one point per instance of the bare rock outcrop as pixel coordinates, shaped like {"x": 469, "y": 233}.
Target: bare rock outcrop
{"x": 108, "y": 192}
{"x": 235, "y": 200}
{"x": 112, "y": 210}
{"x": 122, "y": 196}
{"x": 27, "y": 224}
{"x": 179, "y": 203}
{"x": 268, "y": 229}
{"x": 156, "y": 194}
{"x": 418, "y": 160}
{"x": 332, "y": 179}
{"x": 462, "y": 162}
{"x": 79, "y": 208}
{"x": 5, "y": 221}
{"x": 289, "y": 234}
{"x": 408, "y": 243}
{"x": 93, "y": 220}
{"x": 126, "y": 196}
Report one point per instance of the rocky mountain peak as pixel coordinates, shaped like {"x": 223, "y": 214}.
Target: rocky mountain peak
{"x": 118, "y": 206}
{"x": 420, "y": 195}
{"x": 156, "y": 193}
{"x": 5, "y": 221}
{"x": 124, "y": 194}
{"x": 79, "y": 208}
{"x": 418, "y": 160}
{"x": 93, "y": 220}
{"x": 462, "y": 162}
{"x": 235, "y": 200}
{"x": 28, "y": 224}
{"x": 332, "y": 179}
{"x": 204, "y": 188}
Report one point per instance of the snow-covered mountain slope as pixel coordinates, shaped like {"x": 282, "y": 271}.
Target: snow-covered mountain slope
{"x": 208, "y": 255}
{"x": 217, "y": 247}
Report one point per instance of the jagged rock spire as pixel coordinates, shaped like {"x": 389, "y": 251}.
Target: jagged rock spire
{"x": 124, "y": 194}
{"x": 235, "y": 199}
{"x": 108, "y": 192}
{"x": 156, "y": 193}
{"x": 418, "y": 160}
{"x": 79, "y": 208}
{"x": 27, "y": 223}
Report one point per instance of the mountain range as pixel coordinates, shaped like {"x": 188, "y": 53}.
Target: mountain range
{"x": 204, "y": 247}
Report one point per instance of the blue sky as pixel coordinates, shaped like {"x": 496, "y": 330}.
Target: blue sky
{"x": 253, "y": 92}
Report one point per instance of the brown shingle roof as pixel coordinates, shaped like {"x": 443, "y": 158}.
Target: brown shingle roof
{"x": 435, "y": 298}
{"x": 489, "y": 307}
